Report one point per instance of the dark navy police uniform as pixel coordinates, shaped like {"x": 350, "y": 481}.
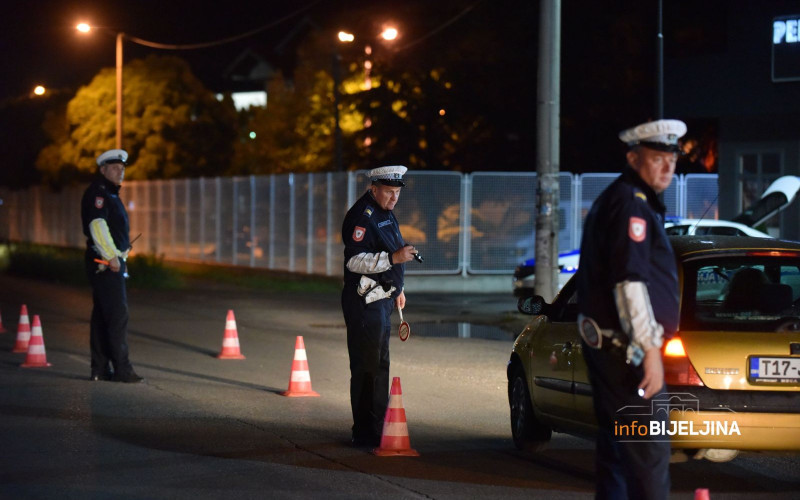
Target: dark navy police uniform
{"x": 624, "y": 240}
{"x": 368, "y": 229}
{"x": 109, "y": 322}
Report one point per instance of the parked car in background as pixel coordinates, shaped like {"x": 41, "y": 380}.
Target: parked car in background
{"x": 688, "y": 227}
{"x": 779, "y": 195}
{"x": 735, "y": 358}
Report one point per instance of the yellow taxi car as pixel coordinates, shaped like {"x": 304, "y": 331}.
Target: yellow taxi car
{"x": 732, "y": 370}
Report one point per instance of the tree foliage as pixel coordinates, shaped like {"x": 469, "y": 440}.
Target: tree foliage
{"x": 172, "y": 125}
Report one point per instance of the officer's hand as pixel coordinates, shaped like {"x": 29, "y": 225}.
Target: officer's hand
{"x": 653, "y": 379}
{"x": 401, "y": 300}
{"x": 114, "y": 265}
{"x": 404, "y": 254}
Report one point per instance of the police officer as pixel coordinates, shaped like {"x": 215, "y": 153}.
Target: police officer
{"x": 628, "y": 301}
{"x": 374, "y": 264}
{"x": 105, "y": 224}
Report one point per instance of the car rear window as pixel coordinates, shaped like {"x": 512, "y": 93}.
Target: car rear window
{"x": 740, "y": 293}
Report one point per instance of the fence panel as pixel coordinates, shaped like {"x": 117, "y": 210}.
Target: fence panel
{"x": 503, "y": 223}
{"x": 481, "y": 223}
{"x": 430, "y": 218}
{"x": 702, "y": 196}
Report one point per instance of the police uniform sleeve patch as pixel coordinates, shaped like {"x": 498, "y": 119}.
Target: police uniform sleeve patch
{"x": 98, "y": 202}
{"x": 640, "y": 195}
{"x": 358, "y": 233}
{"x": 368, "y": 211}
{"x": 637, "y": 229}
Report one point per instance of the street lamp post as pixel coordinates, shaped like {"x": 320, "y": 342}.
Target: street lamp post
{"x": 337, "y": 81}
{"x": 120, "y": 35}
{"x": 85, "y": 28}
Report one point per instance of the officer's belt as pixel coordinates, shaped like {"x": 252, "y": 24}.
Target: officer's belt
{"x": 593, "y": 335}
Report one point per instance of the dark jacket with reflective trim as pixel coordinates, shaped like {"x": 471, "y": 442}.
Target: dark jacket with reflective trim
{"x": 101, "y": 201}
{"x": 624, "y": 240}
{"x": 381, "y": 234}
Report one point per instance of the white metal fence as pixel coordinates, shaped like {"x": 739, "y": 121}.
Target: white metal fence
{"x": 479, "y": 223}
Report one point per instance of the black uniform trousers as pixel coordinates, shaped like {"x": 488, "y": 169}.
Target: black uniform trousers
{"x": 628, "y": 465}
{"x": 108, "y": 337}
{"x": 368, "y": 331}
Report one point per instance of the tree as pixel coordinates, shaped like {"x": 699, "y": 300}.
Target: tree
{"x": 173, "y": 125}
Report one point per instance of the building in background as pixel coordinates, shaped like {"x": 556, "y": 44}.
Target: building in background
{"x": 720, "y": 71}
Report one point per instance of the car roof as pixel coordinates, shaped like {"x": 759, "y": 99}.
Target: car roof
{"x": 694, "y": 223}
{"x": 695, "y": 246}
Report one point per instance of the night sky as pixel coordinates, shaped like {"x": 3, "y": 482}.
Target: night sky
{"x": 608, "y": 49}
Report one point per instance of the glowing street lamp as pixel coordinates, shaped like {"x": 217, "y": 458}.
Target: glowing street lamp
{"x": 389, "y": 33}
{"x": 86, "y": 28}
{"x": 39, "y": 90}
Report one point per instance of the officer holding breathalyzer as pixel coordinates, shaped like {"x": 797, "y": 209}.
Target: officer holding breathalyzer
{"x": 374, "y": 266}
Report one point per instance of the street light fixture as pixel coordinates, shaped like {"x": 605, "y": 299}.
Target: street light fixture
{"x": 39, "y": 90}
{"x": 388, "y": 34}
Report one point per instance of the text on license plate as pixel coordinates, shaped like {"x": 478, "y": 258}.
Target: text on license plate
{"x": 775, "y": 369}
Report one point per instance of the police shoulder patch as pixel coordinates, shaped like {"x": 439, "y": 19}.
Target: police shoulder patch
{"x": 368, "y": 211}
{"x": 358, "y": 233}
{"x": 637, "y": 229}
{"x": 99, "y": 201}
{"x": 640, "y": 195}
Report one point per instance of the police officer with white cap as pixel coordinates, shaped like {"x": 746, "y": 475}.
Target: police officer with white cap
{"x": 374, "y": 264}
{"x": 628, "y": 302}
{"x": 105, "y": 224}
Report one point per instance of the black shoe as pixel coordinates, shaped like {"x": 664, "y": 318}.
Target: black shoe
{"x": 129, "y": 378}
{"x": 366, "y": 441}
{"x": 100, "y": 376}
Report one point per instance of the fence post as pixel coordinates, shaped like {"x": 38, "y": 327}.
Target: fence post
{"x": 253, "y": 238}
{"x": 187, "y": 230}
{"x": 271, "y": 263}
{"x": 218, "y": 218}
{"x": 466, "y": 223}
{"x": 310, "y": 228}
{"x": 329, "y": 226}
{"x": 292, "y": 214}
{"x": 235, "y": 217}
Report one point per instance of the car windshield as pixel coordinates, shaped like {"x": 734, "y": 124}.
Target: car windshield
{"x": 754, "y": 292}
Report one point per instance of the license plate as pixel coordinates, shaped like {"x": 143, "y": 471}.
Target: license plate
{"x": 776, "y": 370}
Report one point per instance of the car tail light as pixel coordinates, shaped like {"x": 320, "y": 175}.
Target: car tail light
{"x": 677, "y": 368}
{"x": 772, "y": 253}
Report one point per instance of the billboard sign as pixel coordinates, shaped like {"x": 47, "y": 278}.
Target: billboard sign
{"x": 786, "y": 48}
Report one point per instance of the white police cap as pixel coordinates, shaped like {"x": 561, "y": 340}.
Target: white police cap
{"x": 661, "y": 135}
{"x": 390, "y": 176}
{"x": 113, "y": 156}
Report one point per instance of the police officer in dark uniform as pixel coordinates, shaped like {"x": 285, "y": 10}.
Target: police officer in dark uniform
{"x": 628, "y": 301}
{"x": 105, "y": 224}
{"x": 374, "y": 264}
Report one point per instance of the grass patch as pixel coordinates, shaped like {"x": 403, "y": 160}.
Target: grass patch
{"x": 47, "y": 263}
{"x": 66, "y": 265}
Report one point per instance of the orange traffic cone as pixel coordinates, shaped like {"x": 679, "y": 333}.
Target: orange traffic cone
{"x": 2, "y": 328}
{"x": 230, "y": 342}
{"x": 36, "y": 355}
{"x": 394, "y": 440}
{"x": 701, "y": 494}
{"x": 300, "y": 379}
{"x": 23, "y": 331}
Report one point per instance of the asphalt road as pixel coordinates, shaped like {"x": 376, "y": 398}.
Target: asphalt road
{"x": 200, "y": 427}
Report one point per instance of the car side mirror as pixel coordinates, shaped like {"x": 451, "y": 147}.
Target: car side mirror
{"x": 531, "y": 305}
